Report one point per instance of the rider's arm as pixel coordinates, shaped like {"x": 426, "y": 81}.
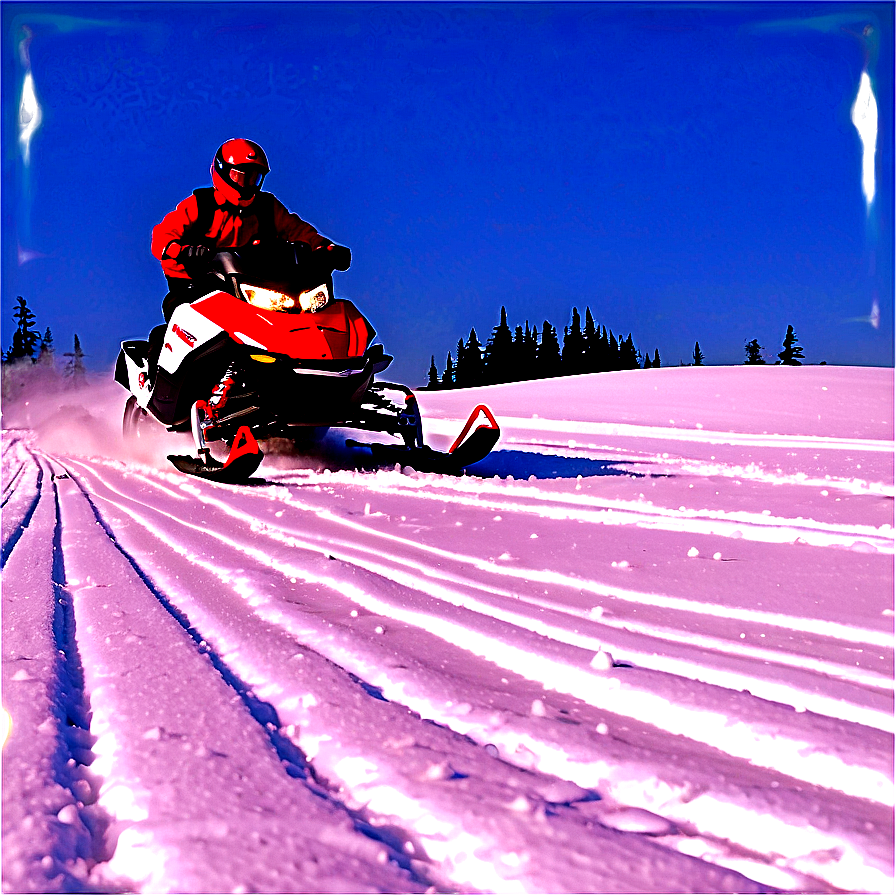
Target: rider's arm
{"x": 168, "y": 233}
{"x": 291, "y": 227}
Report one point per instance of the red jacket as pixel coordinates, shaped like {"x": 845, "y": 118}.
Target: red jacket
{"x": 230, "y": 228}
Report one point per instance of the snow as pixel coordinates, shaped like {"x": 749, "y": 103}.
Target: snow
{"x": 645, "y": 646}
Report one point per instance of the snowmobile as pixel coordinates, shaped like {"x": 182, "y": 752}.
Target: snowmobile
{"x": 299, "y": 360}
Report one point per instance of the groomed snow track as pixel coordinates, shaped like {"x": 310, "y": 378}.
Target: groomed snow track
{"x": 393, "y": 682}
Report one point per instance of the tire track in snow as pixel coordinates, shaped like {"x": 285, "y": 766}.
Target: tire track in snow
{"x": 307, "y": 842}
{"x": 261, "y": 555}
{"x": 10, "y": 484}
{"x": 21, "y": 501}
{"x": 850, "y": 634}
{"x": 759, "y": 527}
{"x": 451, "y": 830}
{"x": 566, "y": 429}
{"x": 696, "y": 656}
{"x": 785, "y": 749}
{"x": 810, "y": 626}
{"x": 431, "y": 576}
{"x": 47, "y": 758}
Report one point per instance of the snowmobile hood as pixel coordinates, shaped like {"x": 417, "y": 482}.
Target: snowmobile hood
{"x": 337, "y": 331}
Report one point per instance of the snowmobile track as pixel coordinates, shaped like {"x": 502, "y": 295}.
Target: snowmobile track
{"x": 286, "y": 571}
{"x": 675, "y": 677}
{"x": 411, "y": 749}
{"x": 293, "y": 761}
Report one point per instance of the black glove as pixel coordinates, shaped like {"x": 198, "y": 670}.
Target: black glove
{"x": 339, "y": 257}
{"x": 194, "y": 259}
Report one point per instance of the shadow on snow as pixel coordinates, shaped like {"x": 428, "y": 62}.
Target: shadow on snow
{"x": 525, "y": 464}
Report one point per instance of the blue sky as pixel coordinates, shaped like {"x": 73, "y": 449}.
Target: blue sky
{"x": 690, "y": 172}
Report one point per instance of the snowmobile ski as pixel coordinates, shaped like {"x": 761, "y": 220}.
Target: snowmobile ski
{"x": 243, "y": 460}
{"x": 478, "y": 437}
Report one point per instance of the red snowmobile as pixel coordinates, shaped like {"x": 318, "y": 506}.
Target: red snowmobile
{"x": 299, "y": 361}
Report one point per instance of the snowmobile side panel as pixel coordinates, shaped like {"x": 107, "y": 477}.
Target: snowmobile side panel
{"x": 132, "y": 370}
{"x": 187, "y": 331}
{"x": 173, "y": 394}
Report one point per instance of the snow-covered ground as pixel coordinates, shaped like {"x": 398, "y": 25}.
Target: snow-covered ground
{"x": 646, "y": 646}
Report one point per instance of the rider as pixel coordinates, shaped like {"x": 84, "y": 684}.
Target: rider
{"x": 231, "y": 214}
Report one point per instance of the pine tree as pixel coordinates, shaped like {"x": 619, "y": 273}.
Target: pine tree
{"x": 698, "y": 355}
{"x": 647, "y": 364}
{"x": 432, "y": 381}
{"x": 75, "y": 370}
{"x": 47, "y": 355}
{"x": 448, "y": 375}
{"x": 573, "y": 346}
{"x": 612, "y": 352}
{"x": 754, "y": 352}
{"x": 602, "y": 351}
{"x": 499, "y": 352}
{"x": 470, "y": 369}
{"x": 530, "y": 357}
{"x": 793, "y": 352}
{"x": 549, "y": 361}
{"x": 628, "y": 355}
{"x": 656, "y": 358}
{"x": 477, "y": 366}
{"x": 460, "y": 364}
{"x": 517, "y": 356}
{"x": 25, "y": 338}
{"x": 590, "y": 349}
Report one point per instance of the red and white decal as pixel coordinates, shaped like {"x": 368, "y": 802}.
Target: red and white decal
{"x": 187, "y": 337}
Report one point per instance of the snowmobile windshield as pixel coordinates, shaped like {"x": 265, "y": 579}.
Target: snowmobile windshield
{"x": 279, "y": 276}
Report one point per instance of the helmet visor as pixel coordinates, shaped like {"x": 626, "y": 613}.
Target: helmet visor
{"x": 249, "y": 176}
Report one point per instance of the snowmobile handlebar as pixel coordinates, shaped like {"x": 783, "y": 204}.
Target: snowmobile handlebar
{"x": 281, "y": 256}
{"x": 280, "y": 265}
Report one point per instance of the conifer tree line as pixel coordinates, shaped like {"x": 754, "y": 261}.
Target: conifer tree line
{"x": 792, "y": 354}
{"x": 524, "y": 353}
{"x": 30, "y": 348}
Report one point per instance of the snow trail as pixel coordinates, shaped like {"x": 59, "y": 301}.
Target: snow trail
{"x": 663, "y": 663}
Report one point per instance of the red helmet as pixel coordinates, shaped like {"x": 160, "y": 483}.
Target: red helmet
{"x": 238, "y": 170}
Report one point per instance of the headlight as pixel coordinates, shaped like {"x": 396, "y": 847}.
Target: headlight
{"x": 269, "y": 299}
{"x": 272, "y": 300}
{"x": 314, "y": 299}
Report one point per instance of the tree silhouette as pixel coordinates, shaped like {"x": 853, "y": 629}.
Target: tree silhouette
{"x": 448, "y": 375}
{"x": 698, "y": 355}
{"x": 573, "y": 355}
{"x": 793, "y": 352}
{"x": 25, "y": 338}
{"x": 754, "y": 352}
{"x": 432, "y": 381}
{"x": 519, "y": 354}
{"x": 628, "y": 355}
{"x": 460, "y": 357}
{"x": 47, "y": 355}
{"x": 549, "y": 359}
{"x": 75, "y": 369}
{"x": 470, "y": 368}
{"x": 590, "y": 338}
{"x": 530, "y": 354}
{"x": 499, "y": 353}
